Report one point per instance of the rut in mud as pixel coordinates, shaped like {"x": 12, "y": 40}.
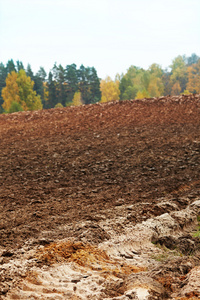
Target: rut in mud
{"x": 90, "y": 175}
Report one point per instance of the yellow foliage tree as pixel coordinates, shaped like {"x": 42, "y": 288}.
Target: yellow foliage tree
{"x": 19, "y": 88}
{"x": 186, "y": 92}
{"x": 155, "y": 88}
{"x": 155, "y": 85}
{"x": 179, "y": 68}
{"x": 176, "y": 89}
{"x": 77, "y": 100}
{"x": 142, "y": 94}
{"x": 109, "y": 90}
{"x": 178, "y": 75}
{"x": 46, "y": 92}
{"x": 10, "y": 93}
{"x": 193, "y": 84}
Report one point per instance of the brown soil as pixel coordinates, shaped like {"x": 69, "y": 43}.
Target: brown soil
{"x": 65, "y": 166}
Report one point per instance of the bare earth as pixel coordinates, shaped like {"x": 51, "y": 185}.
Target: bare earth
{"x": 101, "y": 201}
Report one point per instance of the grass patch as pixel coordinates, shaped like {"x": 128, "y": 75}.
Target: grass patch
{"x": 196, "y": 234}
{"x": 166, "y": 253}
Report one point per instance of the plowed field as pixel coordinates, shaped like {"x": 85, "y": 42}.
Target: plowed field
{"x": 63, "y": 172}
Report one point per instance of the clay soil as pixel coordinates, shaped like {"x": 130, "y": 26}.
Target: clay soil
{"x": 72, "y": 165}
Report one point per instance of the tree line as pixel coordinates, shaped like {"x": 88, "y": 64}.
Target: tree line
{"x": 21, "y": 89}
{"x": 182, "y": 76}
{"x": 57, "y": 88}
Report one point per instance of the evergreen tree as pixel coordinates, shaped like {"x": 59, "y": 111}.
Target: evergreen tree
{"x": 51, "y": 86}
{"x": 20, "y": 66}
{"x": 83, "y": 83}
{"x": 39, "y": 84}
{"x": 193, "y": 59}
{"x": 71, "y": 79}
{"x": 89, "y": 85}
{"x": 59, "y": 77}
{"x": 3, "y": 75}
{"x": 10, "y": 66}
{"x": 29, "y": 72}
{"x": 95, "y": 92}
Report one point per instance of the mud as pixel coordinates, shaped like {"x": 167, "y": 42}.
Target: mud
{"x": 121, "y": 181}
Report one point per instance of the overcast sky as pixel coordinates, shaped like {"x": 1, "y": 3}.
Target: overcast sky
{"x": 110, "y": 35}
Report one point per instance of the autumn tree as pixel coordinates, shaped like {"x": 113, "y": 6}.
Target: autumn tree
{"x": 15, "y": 106}
{"x": 77, "y": 100}
{"x": 126, "y": 88}
{"x": 4, "y": 71}
{"x": 155, "y": 85}
{"x": 142, "y": 94}
{"x": 19, "y": 89}
{"x": 176, "y": 89}
{"x": 129, "y": 83}
{"x": 10, "y": 93}
{"x": 193, "y": 84}
{"x": 167, "y": 84}
{"x": 138, "y": 83}
{"x": 109, "y": 90}
{"x": 178, "y": 76}
{"x": 58, "y": 105}
{"x": 61, "y": 84}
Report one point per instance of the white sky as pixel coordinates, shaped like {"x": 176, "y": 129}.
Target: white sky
{"x": 110, "y": 35}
